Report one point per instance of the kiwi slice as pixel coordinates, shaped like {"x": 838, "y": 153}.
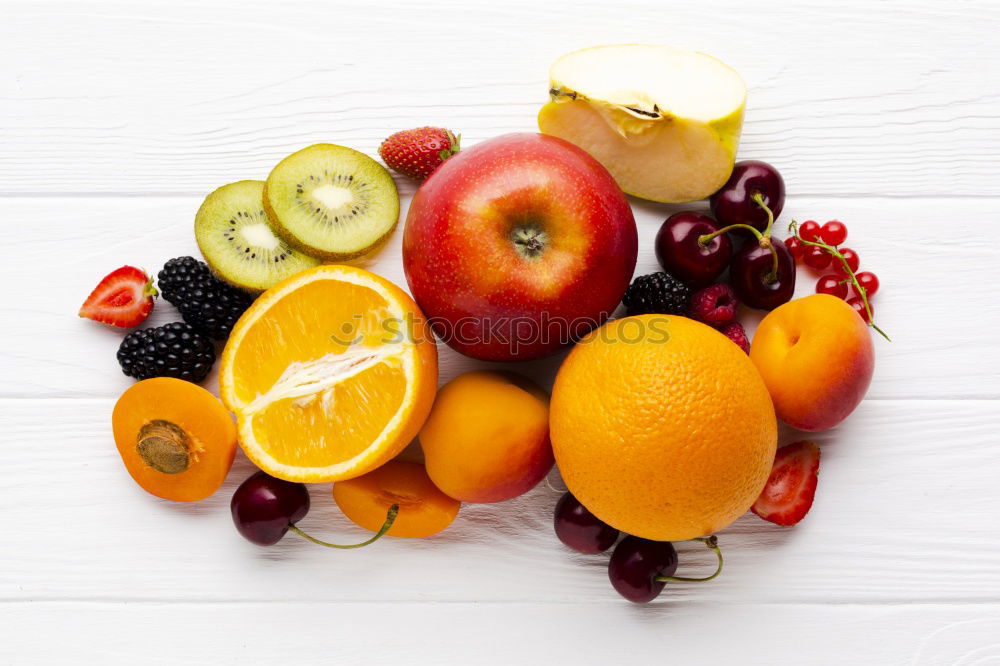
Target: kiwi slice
{"x": 238, "y": 240}
{"x": 332, "y": 202}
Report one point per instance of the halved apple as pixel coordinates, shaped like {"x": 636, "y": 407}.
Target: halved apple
{"x": 665, "y": 122}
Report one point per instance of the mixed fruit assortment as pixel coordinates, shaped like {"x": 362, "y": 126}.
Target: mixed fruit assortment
{"x": 662, "y": 428}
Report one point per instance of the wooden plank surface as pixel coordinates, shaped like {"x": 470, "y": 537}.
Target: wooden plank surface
{"x": 905, "y": 513}
{"x": 181, "y": 96}
{"x": 930, "y": 283}
{"x": 469, "y": 633}
{"x": 117, "y": 118}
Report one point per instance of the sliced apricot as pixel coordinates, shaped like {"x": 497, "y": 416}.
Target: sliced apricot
{"x": 175, "y": 438}
{"x": 423, "y": 509}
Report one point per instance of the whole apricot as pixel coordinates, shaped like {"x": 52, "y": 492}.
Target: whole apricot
{"x": 816, "y": 357}
{"x": 487, "y": 437}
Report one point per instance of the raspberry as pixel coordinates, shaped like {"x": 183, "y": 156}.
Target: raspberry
{"x": 734, "y": 331}
{"x": 715, "y": 305}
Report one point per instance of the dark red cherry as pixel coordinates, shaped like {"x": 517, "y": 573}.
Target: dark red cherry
{"x": 734, "y": 204}
{"x": 263, "y": 507}
{"x": 751, "y": 270}
{"x": 581, "y": 530}
{"x": 635, "y": 565}
{"x": 681, "y": 255}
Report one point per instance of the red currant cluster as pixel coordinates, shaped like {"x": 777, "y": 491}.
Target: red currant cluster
{"x": 818, "y": 247}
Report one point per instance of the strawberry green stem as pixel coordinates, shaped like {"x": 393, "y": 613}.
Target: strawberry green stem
{"x": 390, "y": 518}
{"x": 793, "y": 228}
{"x": 149, "y": 289}
{"x": 713, "y": 544}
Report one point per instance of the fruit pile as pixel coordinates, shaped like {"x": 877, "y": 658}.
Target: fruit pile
{"x": 519, "y": 247}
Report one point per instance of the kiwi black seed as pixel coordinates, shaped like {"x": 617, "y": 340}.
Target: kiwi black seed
{"x": 332, "y": 202}
{"x": 237, "y": 238}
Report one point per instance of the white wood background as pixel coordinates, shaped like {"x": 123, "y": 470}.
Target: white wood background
{"x": 116, "y": 118}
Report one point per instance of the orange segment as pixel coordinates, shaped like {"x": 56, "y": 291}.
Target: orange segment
{"x": 330, "y": 373}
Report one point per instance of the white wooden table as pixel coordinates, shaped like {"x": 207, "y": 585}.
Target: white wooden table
{"x": 116, "y": 118}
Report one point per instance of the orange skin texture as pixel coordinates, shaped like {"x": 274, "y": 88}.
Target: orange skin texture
{"x": 487, "y": 437}
{"x": 423, "y": 509}
{"x": 817, "y": 359}
{"x": 464, "y": 269}
{"x": 664, "y": 438}
{"x": 200, "y": 414}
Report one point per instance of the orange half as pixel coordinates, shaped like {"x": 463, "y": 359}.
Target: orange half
{"x": 330, "y": 373}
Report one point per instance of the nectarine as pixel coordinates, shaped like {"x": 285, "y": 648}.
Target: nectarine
{"x": 816, "y": 357}
{"x": 487, "y": 437}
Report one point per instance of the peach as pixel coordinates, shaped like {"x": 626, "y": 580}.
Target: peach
{"x": 816, "y": 357}
{"x": 487, "y": 437}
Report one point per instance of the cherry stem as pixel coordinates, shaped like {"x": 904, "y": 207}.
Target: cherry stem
{"x": 390, "y": 518}
{"x": 763, "y": 239}
{"x": 758, "y": 199}
{"x": 793, "y": 228}
{"x": 705, "y": 239}
{"x": 713, "y": 544}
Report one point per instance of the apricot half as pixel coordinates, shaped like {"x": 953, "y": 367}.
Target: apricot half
{"x": 423, "y": 509}
{"x": 175, "y": 438}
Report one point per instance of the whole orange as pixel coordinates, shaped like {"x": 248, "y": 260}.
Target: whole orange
{"x": 662, "y": 427}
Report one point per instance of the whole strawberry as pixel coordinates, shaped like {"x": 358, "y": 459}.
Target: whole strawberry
{"x": 418, "y": 152}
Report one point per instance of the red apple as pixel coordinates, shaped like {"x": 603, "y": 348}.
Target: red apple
{"x": 518, "y": 246}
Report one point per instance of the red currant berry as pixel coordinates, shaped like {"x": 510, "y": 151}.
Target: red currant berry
{"x": 833, "y": 285}
{"x": 834, "y": 232}
{"x": 796, "y": 248}
{"x": 817, "y": 258}
{"x": 859, "y": 307}
{"x": 869, "y": 281}
{"x": 852, "y": 259}
{"x": 810, "y": 230}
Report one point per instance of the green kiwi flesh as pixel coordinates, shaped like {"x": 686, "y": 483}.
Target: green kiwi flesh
{"x": 237, "y": 238}
{"x": 332, "y": 202}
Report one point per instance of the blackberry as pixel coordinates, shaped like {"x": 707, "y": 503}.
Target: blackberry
{"x": 205, "y": 301}
{"x": 659, "y": 293}
{"x": 172, "y": 350}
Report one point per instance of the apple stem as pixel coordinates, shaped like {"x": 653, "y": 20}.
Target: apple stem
{"x": 390, "y": 518}
{"x": 793, "y": 229}
{"x": 713, "y": 544}
{"x": 529, "y": 240}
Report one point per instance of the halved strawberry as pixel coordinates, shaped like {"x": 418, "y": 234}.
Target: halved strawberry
{"x": 790, "y": 489}
{"x": 124, "y": 298}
